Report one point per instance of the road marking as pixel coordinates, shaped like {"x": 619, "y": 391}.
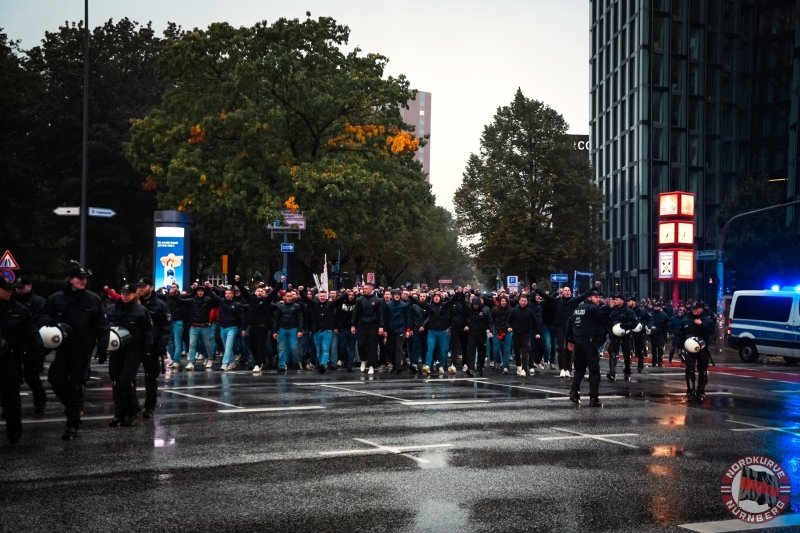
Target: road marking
{"x": 754, "y": 427}
{"x": 787, "y": 391}
{"x": 201, "y": 398}
{"x": 378, "y": 448}
{"x": 317, "y": 383}
{"x": 724, "y": 526}
{"x": 364, "y": 392}
{"x": 707, "y": 394}
{"x": 523, "y": 388}
{"x": 601, "y": 397}
{"x": 269, "y": 409}
{"x": 604, "y": 438}
{"x": 440, "y": 402}
{"x": 64, "y": 419}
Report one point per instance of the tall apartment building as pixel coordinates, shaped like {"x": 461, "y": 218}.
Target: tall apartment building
{"x": 688, "y": 95}
{"x": 418, "y": 115}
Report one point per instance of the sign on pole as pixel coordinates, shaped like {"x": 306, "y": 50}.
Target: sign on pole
{"x": 559, "y": 278}
{"x": 512, "y": 282}
{"x": 225, "y": 264}
{"x": 8, "y": 275}
{"x": 371, "y": 278}
{"x": 67, "y": 211}
{"x": 101, "y": 212}
{"x": 287, "y": 247}
{"x": 7, "y": 262}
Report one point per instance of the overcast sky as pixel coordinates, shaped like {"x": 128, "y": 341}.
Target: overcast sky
{"x": 470, "y": 54}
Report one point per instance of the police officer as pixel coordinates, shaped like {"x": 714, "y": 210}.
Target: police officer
{"x": 128, "y": 314}
{"x": 32, "y": 363}
{"x": 83, "y": 312}
{"x": 19, "y": 340}
{"x": 644, "y": 318}
{"x": 586, "y": 331}
{"x": 658, "y": 334}
{"x": 623, "y": 316}
{"x": 162, "y": 332}
{"x": 698, "y": 324}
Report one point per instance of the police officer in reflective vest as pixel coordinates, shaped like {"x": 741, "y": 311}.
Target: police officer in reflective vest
{"x": 128, "y": 314}
{"x": 83, "y": 312}
{"x": 18, "y": 337}
{"x": 586, "y": 332}
{"x": 697, "y": 325}
{"x": 162, "y": 332}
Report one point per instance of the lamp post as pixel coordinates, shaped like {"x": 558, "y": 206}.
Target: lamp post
{"x": 85, "y": 163}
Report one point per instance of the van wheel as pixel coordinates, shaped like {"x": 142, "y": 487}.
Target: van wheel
{"x": 747, "y": 351}
{"x": 791, "y": 361}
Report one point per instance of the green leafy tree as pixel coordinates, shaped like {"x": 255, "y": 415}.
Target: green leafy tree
{"x": 761, "y": 249}
{"x": 527, "y": 198}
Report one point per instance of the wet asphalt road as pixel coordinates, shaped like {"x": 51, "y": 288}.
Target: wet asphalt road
{"x": 347, "y": 452}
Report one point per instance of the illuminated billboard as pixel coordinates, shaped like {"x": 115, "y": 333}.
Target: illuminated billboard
{"x": 170, "y": 255}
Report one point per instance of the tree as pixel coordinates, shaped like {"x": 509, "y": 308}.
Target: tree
{"x": 276, "y": 116}
{"x": 527, "y": 197}
{"x": 761, "y": 249}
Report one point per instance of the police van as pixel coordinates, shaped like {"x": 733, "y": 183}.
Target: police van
{"x": 765, "y": 323}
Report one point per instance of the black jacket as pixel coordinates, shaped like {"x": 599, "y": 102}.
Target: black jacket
{"x": 33, "y": 302}
{"x": 288, "y": 316}
{"x": 396, "y": 317}
{"x": 418, "y": 316}
{"x": 84, "y": 313}
{"x": 500, "y": 316}
{"x": 523, "y": 320}
{"x": 162, "y": 323}
{"x": 643, "y": 316}
{"x": 199, "y": 308}
{"x": 18, "y": 329}
{"x": 478, "y": 319}
{"x": 368, "y": 311}
{"x": 179, "y": 309}
{"x": 259, "y": 310}
{"x": 623, "y": 316}
{"x": 562, "y": 308}
{"x": 438, "y": 315}
{"x": 231, "y": 312}
{"x": 344, "y": 313}
{"x": 660, "y": 323}
{"x": 704, "y": 330}
{"x": 323, "y": 315}
{"x": 136, "y": 319}
{"x": 588, "y": 321}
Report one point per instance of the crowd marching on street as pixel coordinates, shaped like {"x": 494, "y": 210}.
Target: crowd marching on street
{"x": 366, "y": 329}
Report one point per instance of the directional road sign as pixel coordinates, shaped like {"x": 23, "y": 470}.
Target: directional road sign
{"x": 559, "y": 278}
{"x": 67, "y": 211}
{"x": 287, "y": 247}
{"x": 102, "y": 212}
{"x": 706, "y": 255}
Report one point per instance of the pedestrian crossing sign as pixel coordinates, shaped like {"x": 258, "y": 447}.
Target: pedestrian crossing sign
{"x": 8, "y": 262}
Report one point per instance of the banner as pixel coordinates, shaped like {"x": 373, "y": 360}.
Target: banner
{"x": 169, "y": 263}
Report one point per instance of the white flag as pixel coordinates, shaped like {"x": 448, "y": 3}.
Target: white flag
{"x": 323, "y": 279}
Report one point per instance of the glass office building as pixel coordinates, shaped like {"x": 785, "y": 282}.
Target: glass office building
{"x": 688, "y": 95}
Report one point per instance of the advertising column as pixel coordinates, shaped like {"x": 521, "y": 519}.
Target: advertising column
{"x": 171, "y": 249}
{"x": 676, "y": 239}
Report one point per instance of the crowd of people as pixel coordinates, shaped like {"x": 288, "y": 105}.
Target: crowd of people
{"x": 287, "y": 329}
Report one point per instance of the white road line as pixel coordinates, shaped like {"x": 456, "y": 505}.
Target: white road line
{"x": 604, "y": 438}
{"x": 523, "y": 388}
{"x": 364, "y": 392}
{"x": 201, "y": 398}
{"x": 707, "y": 394}
{"x": 379, "y": 448}
{"x": 317, "y": 383}
{"x": 440, "y": 402}
{"x": 269, "y": 409}
{"x": 755, "y": 427}
{"x": 787, "y": 391}
{"x": 725, "y": 526}
{"x": 64, "y": 419}
{"x": 601, "y": 397}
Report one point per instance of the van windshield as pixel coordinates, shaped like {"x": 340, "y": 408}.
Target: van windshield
{"x": 766, "y": 308}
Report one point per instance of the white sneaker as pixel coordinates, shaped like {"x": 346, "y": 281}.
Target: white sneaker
{"x": 190, "y": 366}
{"x": 540, "y": 366}
{"x": 441, "y": 371}
{"x": 552, "y": 366}
{"x": 452, "y": 369}
{"x": 532, "y": 371}
{"x": 464, "y": 369}
{"x": 370, "y": 371}
{"x": 225, "y": 368}
{"x": 209, "y": 363}
{"x": 520, "y": 372}
{"x": 363, "y": 366}
{"x": 426, "y": 370}
{"x": 566, "y": 374}
{"x": 256, "y": 369}
{"x": 561, "y": 375}
{"x": 339, "y": 363}
{"x": 176, "y": 365}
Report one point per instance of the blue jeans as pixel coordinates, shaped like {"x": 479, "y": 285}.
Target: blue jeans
{"x": 243, "y": 343}
{"x": 287, "y": 346}
{"x": 502, "y": 349}
{"x": 177, "y": 340}
{"x": 334, "y": 348}
{"x": 322, "y": 341}
{"x": 205, "y": 335}
{"x": 347, "y": 343}
{"x": 549, "y": 344}
{"x": 437, "y": 338}
{"x": 229, "y": 339}
{"x": 214, "y": 347}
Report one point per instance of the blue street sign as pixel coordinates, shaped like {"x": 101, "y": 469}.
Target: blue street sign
{"x": 559, "y": 278}
{"x": 287, "y": 247}
{"x": 512, "y": 281}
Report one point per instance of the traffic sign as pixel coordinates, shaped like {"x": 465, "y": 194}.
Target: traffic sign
{"x": 102, "y": 212}
{"x": 287, "y": 247}
{"x": 67, "y": 211}
{"x": 371, "y": 278}
{"x": 445, "y": 281}
{"x": 559, "y": 278}
{"x": 7, "y": 262}
{"x": 8, "y": 275}
{"x": 706, "y": 255}
{"x": 512, "y": 281}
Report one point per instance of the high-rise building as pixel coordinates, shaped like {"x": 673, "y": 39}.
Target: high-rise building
{"x": 418, "y": 115}
{"x": 688, "y": 95}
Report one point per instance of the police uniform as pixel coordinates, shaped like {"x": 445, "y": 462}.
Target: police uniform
{"x": 18, "y": 338}
{"x": 123, "y": 363}
{"x": 586, "y": 329}
{"x": 83, "y": 312}
{"x": 626, "y": 318}
{"x": 639, "y": 346}
{"x": 33, "y": 362}
{"x": 162, "y": 332}
{"x": 703, "y": 331}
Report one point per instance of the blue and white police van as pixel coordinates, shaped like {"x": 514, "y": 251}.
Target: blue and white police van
{"x": 765, "y": 323}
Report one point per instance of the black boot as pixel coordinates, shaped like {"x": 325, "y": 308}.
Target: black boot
{"x": 116, "y": 395}
{"x": 575, "y": 397}
{"x": 14, "y": 435}
{"x": 70, "y": 432}
{"x": 611, "y": 377}
{"x": 689, "y": 389}
{"x": 701, "y": 385}
{"x": 595, "y": 402}
{"x": 133, "y": 408}
{"x": 150, "y": 394}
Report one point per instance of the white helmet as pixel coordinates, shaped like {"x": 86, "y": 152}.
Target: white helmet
{"x": 117, "y": 338}
{"x": 618, "y": 330}
{"x": 638, "y": 328}
{"x": 694, "y": 344}
{"x": 52, "y": 337}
